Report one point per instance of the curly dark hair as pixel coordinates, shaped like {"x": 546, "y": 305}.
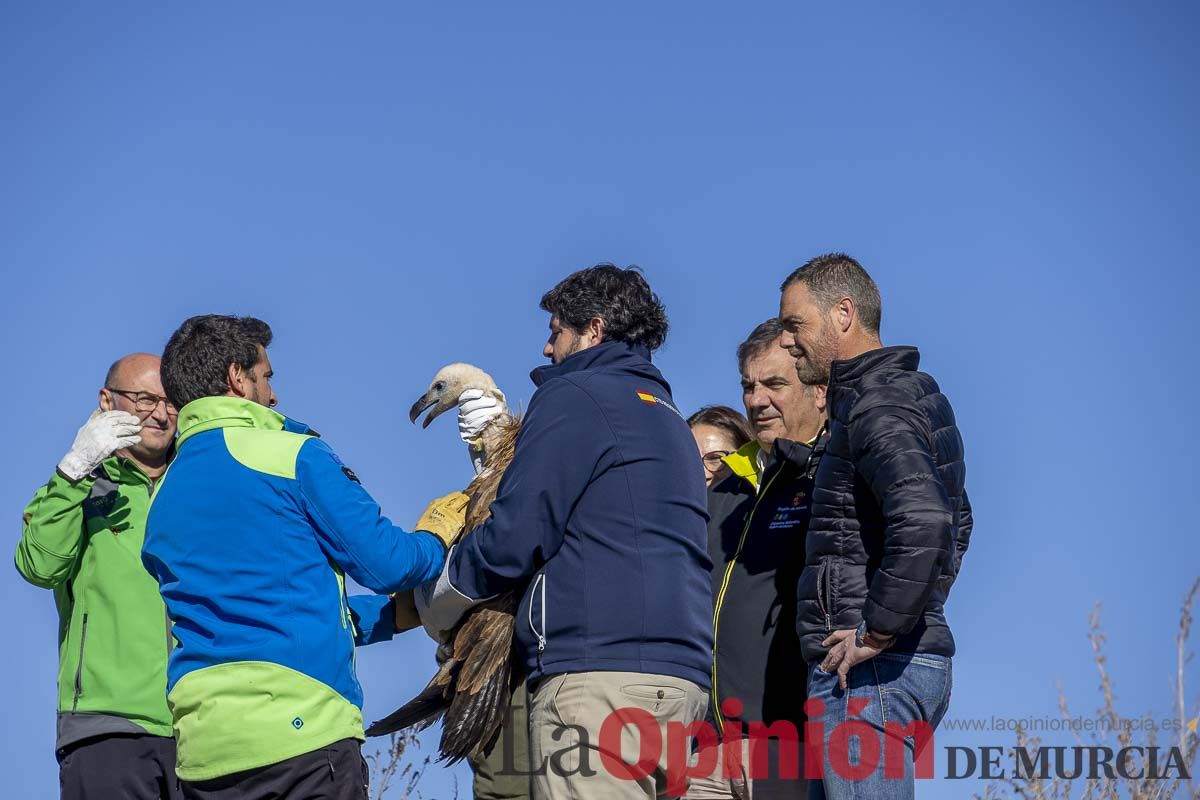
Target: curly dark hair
{"x": 199, "y": 353}
{"x": 631, "y": 312}
{"x": 726, "y": 419}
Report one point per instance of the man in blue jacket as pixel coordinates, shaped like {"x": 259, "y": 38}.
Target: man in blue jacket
{"x": 250, "y": 535}
{"x": 601, "y": 517}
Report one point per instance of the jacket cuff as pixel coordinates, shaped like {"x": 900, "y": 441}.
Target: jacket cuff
{"x": 439, "y": 604}
{"x": 374, "y": 618}
{"x": 886, "y": 622}
{"x": 86, "y": 480}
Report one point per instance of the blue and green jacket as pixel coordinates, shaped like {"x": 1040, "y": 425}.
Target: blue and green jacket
{"x": 250, "y": 535}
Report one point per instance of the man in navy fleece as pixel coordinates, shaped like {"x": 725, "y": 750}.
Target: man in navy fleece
{"x": 601, "y": 520}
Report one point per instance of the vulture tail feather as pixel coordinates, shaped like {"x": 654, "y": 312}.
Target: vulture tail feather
{"x": 422, "y": 711}
{"x": 472, "y": 720}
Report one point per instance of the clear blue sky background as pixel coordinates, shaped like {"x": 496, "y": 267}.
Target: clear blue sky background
{"x": 393, "y": 186}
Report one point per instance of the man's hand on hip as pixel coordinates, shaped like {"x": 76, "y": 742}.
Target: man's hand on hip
{"x": 103, "y": 434}
{"x": 844, "y": 654}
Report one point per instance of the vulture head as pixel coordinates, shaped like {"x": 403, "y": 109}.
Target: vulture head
{"x": 447, "y": 386}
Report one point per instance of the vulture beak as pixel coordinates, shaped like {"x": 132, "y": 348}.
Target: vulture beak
{"x": 436, "y": 399}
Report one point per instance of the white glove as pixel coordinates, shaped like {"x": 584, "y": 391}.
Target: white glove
{"x": 476, "y": 410}
{"x": 103, "y": 434}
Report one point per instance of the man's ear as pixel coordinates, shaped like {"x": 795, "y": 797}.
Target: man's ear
{"x": 595, "y": 327}
{"x": 106, "y": 400}
{"x": 820, "y": 392}
{"x": 844, "y": 314}
{"x": 235, "y": 379}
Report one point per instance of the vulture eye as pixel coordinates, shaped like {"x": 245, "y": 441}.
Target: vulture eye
{"x": 439, "y": 386}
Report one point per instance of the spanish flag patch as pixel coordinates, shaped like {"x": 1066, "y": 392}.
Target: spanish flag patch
{"x": 646, "y": 397}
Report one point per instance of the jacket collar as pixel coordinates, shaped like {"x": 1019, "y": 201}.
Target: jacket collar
{"x": 119, "y": 469}
{"x": 633, "y": 357}
{"x": 209, "y": 413}
{"x": 795, "y": 453}
{"x": 743, "y": 462}
{"x": 746, "y": 464}
{"x": 901, "y": 357}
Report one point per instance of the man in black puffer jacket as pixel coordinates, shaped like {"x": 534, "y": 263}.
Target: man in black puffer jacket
{"x": 890, "y": 523}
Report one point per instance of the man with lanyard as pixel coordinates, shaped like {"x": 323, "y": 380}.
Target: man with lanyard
{"x": 83, "y": 539}
{"x": 758, "y": 521}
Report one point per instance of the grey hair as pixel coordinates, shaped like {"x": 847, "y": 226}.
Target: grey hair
{"x": 831, "y": 277}
{"x": 765, "y": 335}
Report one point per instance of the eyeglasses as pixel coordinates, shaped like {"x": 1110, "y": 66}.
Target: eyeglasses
{"x": 712, "y": 459}
{"x": 146, "y": 401}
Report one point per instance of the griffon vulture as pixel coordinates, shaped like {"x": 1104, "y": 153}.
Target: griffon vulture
{"x": 476, "y": 673}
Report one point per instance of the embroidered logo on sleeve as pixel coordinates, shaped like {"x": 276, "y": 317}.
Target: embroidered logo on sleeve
{"x": 646, "y": 397}
{"x": 350, "y": 474}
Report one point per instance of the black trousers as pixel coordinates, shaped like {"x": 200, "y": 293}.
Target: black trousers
{"x": 336, "y": 772}
{"x": 119, "y": 767}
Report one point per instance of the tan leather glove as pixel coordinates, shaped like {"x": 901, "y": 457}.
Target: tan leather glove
{"x": 444, "y": 517}
{"x": 406, "y": 611}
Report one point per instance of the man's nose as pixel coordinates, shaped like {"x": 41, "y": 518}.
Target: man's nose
{"x": 548, "y": 350}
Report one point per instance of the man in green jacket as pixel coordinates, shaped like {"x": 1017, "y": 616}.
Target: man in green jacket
{"x": 83, "y": 539}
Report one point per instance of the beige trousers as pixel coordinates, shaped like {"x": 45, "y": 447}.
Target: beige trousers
{"x": 718, "y": 787}
{"x": 567, "y": 713}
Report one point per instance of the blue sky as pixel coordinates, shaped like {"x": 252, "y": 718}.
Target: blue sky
{"x": 392, "y": 187}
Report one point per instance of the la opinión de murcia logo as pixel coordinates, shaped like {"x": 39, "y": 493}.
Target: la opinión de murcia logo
{"x": 692, "y": 751}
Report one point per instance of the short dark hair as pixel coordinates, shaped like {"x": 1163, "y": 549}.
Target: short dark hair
{"x": 726, "y": 419}
{"x": 196, "y": 361}
{"x": 762, "y": 337}
{"x": 836, "y": 275}
{"x": 631, "y": 312}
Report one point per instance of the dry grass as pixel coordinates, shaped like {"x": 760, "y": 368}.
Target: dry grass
{"x": 1119, "y": 732}
{"x": 395, "y": 772}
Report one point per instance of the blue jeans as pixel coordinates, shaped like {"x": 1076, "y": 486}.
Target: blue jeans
{"x": 874, "y": 731}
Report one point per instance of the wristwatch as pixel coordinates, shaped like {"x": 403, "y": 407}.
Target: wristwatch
{"x": 864, "y": 638}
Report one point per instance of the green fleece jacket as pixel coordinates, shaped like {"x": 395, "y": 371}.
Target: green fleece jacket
{"x": 84, "y": 540}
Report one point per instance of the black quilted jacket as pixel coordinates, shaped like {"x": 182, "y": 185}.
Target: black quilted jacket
{"x": 890, "y": 516}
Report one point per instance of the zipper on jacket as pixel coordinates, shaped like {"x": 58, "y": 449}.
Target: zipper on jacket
{"x": 823, "y": 598}
{"x": 79, "y": 666}
{"x": 540, "y": 580}
{"x": 170, "y": 645}
{"x": 343, "y": 600}
{"x": 716, "y": 700}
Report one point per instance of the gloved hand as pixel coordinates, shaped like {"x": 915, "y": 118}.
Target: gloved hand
{"x": 103, "y": 434}
{"x": 475, "y": 411}
{"x": 444, "y": 517}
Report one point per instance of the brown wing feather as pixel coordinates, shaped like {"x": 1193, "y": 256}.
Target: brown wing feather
{"x": 493, "y": 645}
{"x": 482, "y": 490}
